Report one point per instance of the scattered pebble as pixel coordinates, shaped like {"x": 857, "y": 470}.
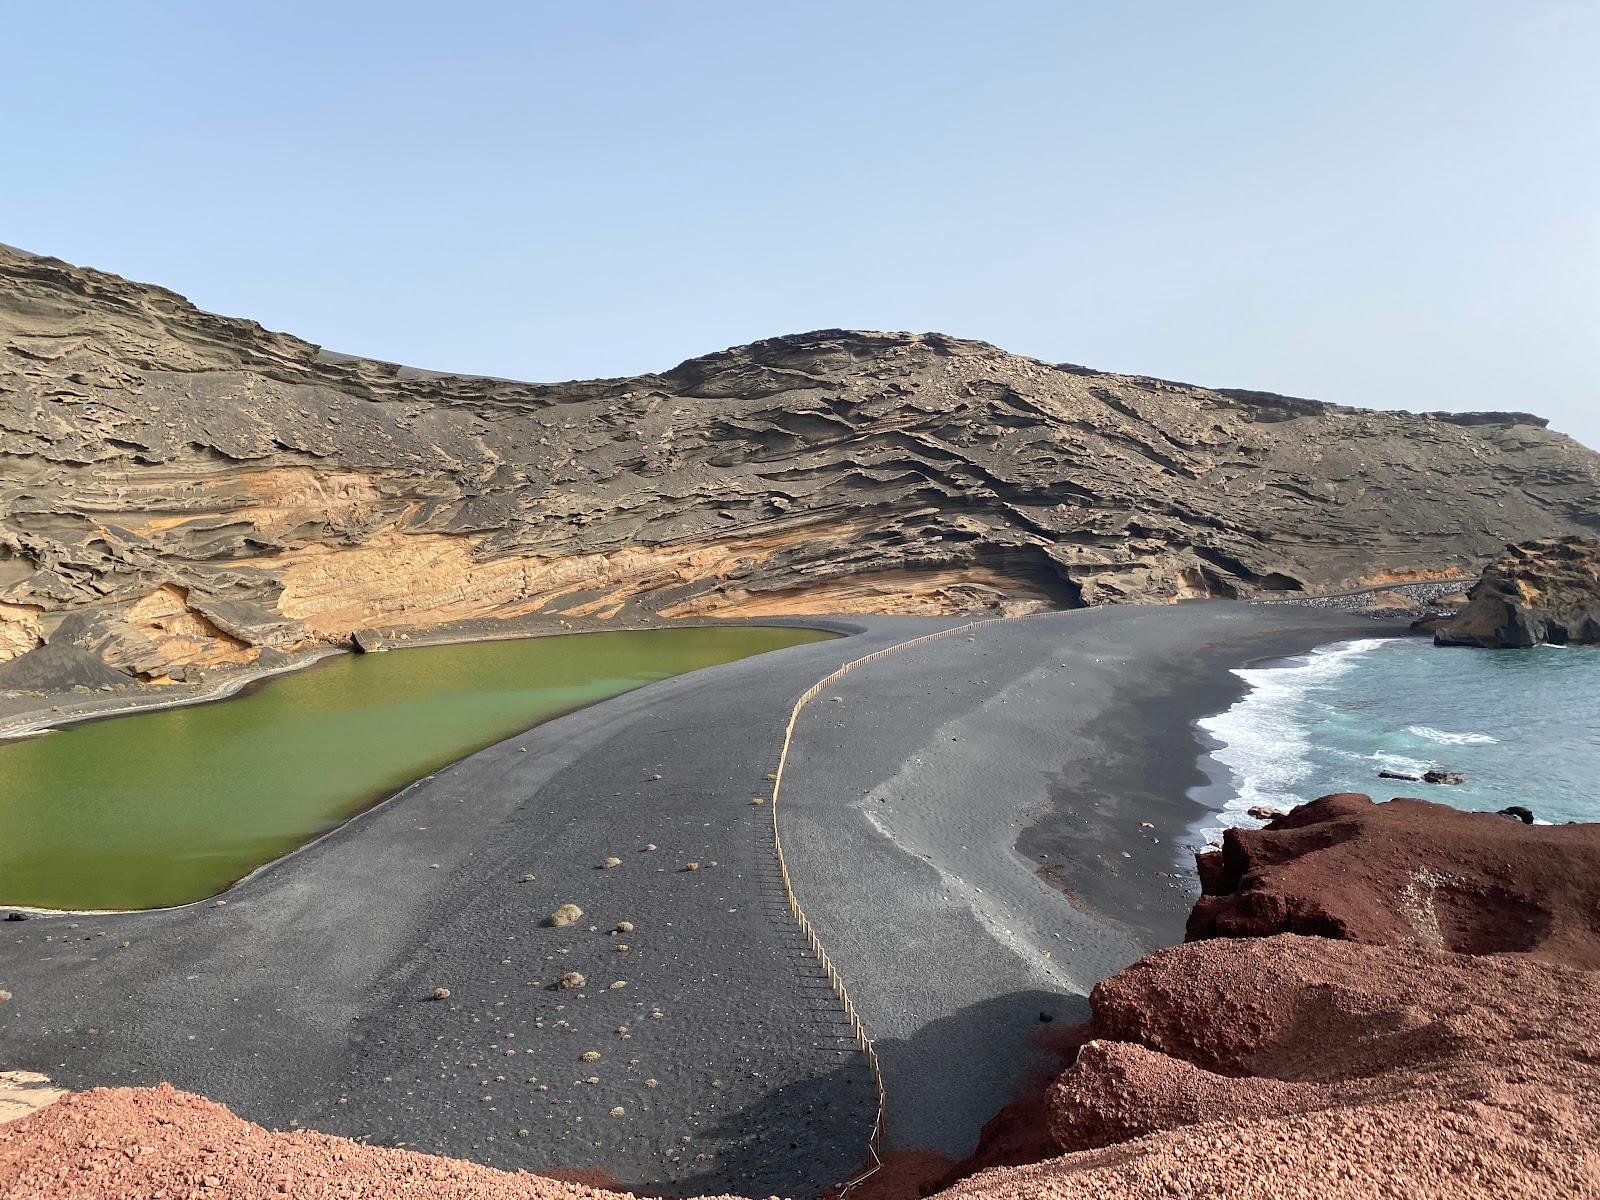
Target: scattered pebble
{"x": 691, "y": 866}
{"x": 572, "y": 979}
{"x": 618, "y": 1111}
{"x": 618, "y": 983}
{"x": 441, "y": 993}
{"x": 623, "y": 927}
{"x": 590, "y": 1056}
{"x": 611, "y": 862}
{"x": 649, "y": 845}
{"x": 652, "y": 1083}
{"x": 565, "y": 915}
{"x": 529, "y": 877}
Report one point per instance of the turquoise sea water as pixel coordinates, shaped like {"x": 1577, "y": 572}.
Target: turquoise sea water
{"x": 1523, "y": 725}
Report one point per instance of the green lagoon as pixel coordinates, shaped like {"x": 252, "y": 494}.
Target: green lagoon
{"x": 165, "y": 807}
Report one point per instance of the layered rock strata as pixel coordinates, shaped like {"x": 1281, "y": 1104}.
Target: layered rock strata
{"x": 1536, "y": 592}
{"x": 183, "y": 493}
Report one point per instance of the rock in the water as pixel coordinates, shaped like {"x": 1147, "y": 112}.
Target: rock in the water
{"x": 1405, "y": 775}
{"x": 1536, "y": 592}
{"x": 1439, "y": 775}
{"x": 1518, "y": 812}
{"x": 1264, "y": 812}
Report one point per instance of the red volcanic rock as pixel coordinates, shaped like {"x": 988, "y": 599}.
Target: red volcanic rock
{"x": 1259, "y": 1028}
{"x": 1404, "y": 872}
{"x": 145, "y": 1143}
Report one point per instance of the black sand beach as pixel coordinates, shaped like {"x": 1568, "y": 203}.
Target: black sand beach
{"x": 304, "y": 998}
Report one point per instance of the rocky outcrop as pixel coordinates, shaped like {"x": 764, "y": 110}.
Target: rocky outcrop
{"x": 1297, "y": 1066}
{"x": 1408, "y": 872}
{"x": 1536, "y": 592}
{"x": 201, "y": 489}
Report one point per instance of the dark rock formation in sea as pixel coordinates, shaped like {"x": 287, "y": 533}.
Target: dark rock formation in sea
{"x": 1536, "y": 592}
{"x": 183, "y": 490}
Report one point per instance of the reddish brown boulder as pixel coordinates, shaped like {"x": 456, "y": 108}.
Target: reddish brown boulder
{"x": 1408, "y": 871}
{"x": 1257, "y": 1027}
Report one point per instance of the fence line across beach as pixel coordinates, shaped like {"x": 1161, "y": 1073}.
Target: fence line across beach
{"x": 858, "y": 1029}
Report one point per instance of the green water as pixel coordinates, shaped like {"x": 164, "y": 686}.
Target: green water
{"x": 165, "y": 807}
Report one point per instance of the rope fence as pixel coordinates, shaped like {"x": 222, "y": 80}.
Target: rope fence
{"x": 857, "y": 1028}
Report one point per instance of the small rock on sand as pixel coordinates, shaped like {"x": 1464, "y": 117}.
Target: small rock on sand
{"x": 611, "y": 862}
{"x": 441, "y": 993}
{"x": 623, "y": 927}
{"x": 565, "y": 915}
{"x": 571, "y": 980}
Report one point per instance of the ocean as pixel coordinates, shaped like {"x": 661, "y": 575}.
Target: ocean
{"x": 1522, "y": 725}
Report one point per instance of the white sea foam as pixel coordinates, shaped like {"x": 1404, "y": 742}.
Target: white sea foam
{"x": 1264, "y": 738}
{"x": 1444, "y": 738}
{"x": 1399, "y": 762}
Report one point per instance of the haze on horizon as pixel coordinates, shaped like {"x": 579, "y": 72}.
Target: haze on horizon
{"x": 1372, "y": 204}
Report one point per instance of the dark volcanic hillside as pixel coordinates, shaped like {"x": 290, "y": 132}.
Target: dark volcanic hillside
{"x": 185, "y": 489}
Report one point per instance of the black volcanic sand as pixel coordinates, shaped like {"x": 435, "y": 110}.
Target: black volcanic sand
{"x": 305, "y": 997}
{"x": 939, "y": 811}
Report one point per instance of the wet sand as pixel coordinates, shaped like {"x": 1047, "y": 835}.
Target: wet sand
{"x": 984, "y": 827}
{"x": 305, "y": 998}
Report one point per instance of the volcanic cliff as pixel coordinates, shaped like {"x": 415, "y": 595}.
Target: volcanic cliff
{"x": 1536, "y": 592}
{"x": 185, "y": 492}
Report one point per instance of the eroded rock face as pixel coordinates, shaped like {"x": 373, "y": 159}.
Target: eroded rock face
{"x": 159, "y": 456}
{"x": 1434, "y": 1040}
{"x": 1301, "y": 1066}
{"x": 1408, "y": 872}
{"x": 1536, "y": 592}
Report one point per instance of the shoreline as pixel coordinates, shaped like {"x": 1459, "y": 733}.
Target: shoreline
{"x": 242, "y": 686}
{"x": 1222, "y": 781}
{"x": 983, "y": 834}
{"x": 332, "y": 952}
{"x": 41, "y": 718}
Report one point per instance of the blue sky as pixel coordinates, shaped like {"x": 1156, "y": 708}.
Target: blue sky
{"x": 1373, "y": 203}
